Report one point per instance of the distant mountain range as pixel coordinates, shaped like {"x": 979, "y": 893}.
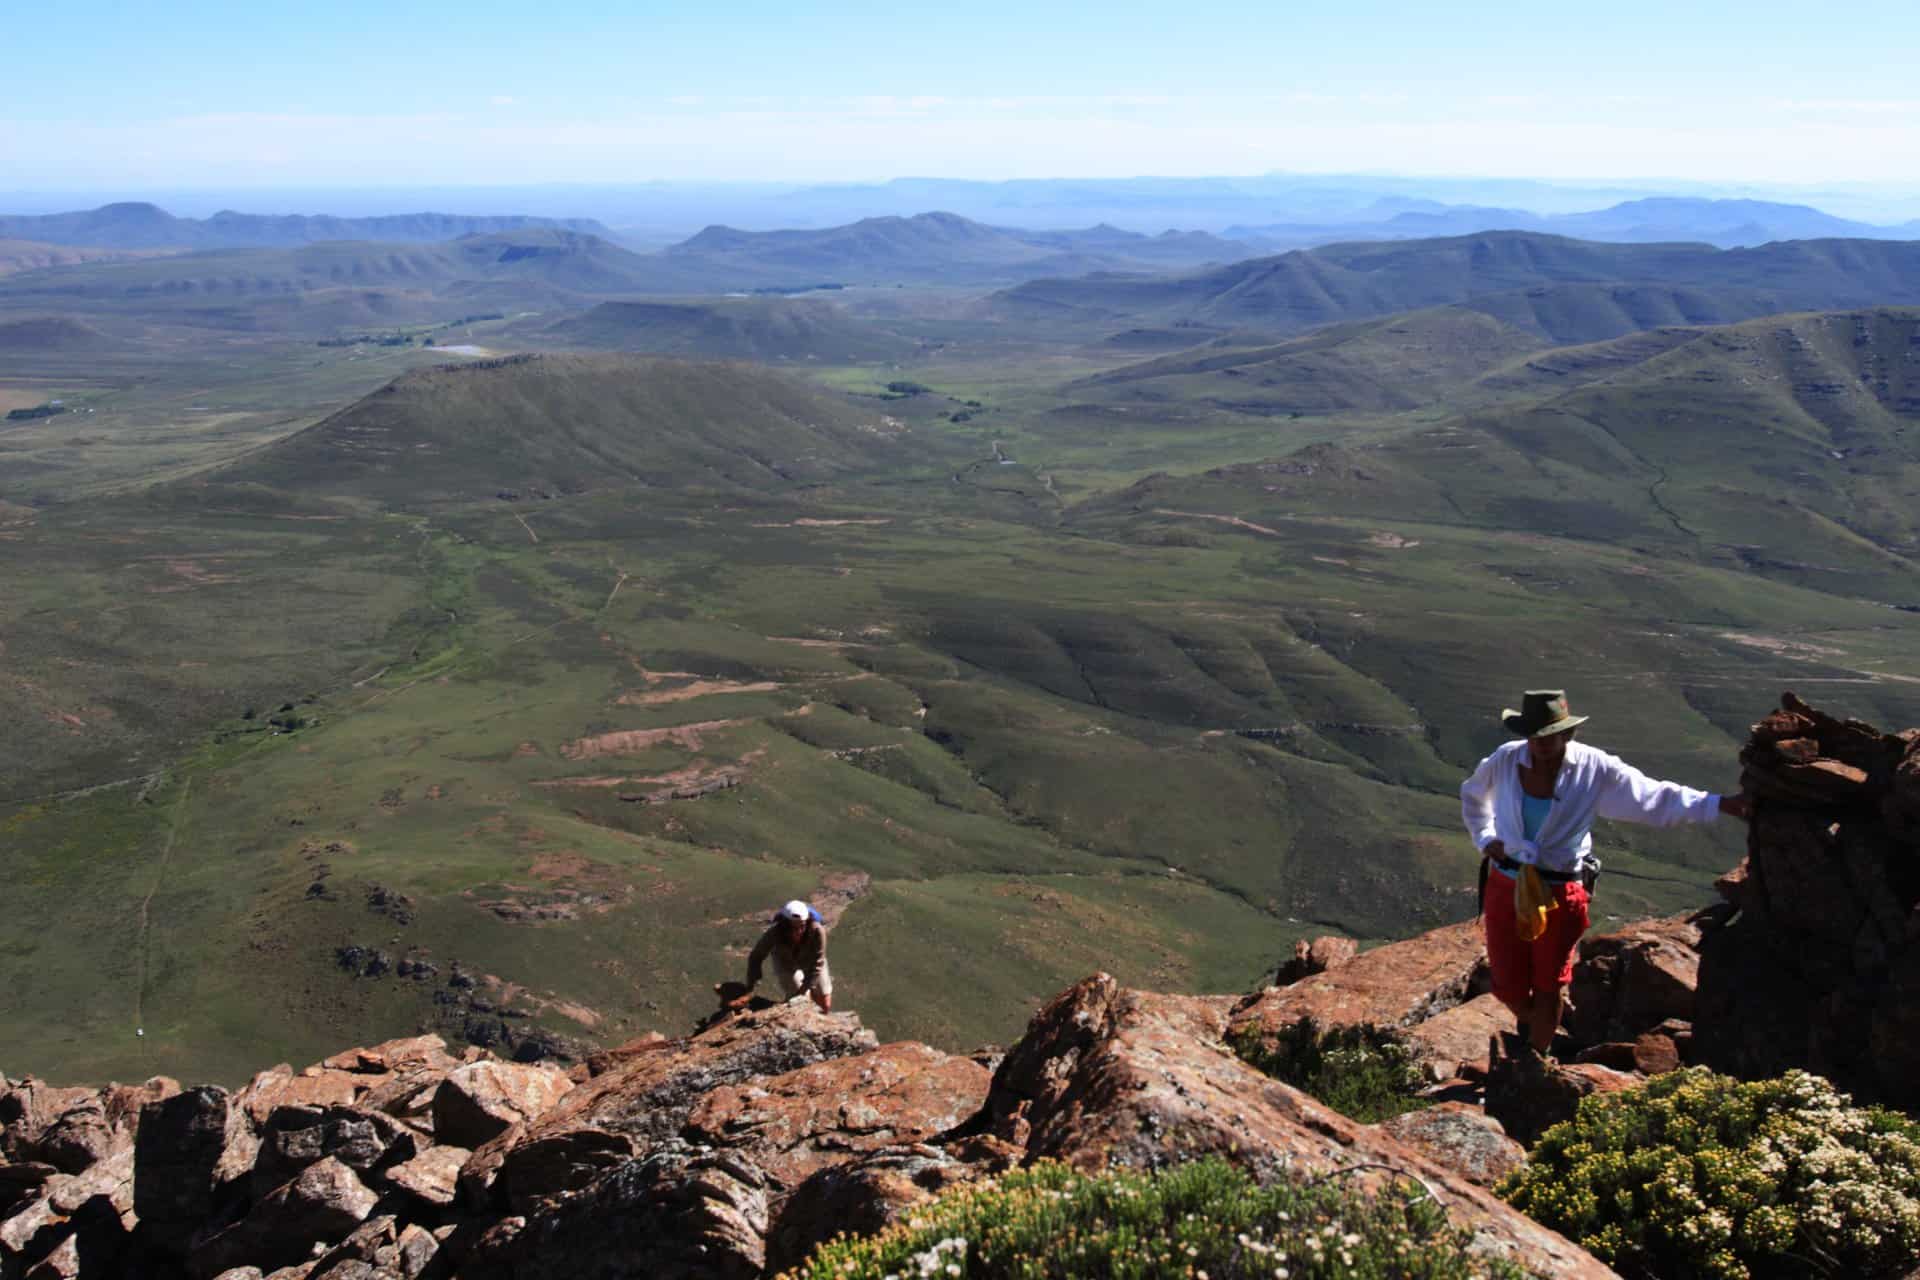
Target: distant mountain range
{"x": 943, "y": 248}
{"x": 1726, "y": 223}
{"x": 1560, "y": 289}
{"x": 136, "y": 225}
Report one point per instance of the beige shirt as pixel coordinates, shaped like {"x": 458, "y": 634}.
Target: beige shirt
{"x": 807, "y": 956}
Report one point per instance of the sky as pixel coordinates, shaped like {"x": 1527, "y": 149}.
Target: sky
{"x": 104, "y": 96}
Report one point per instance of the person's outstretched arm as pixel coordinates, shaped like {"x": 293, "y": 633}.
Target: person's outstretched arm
{"x": 1628, "y": 795}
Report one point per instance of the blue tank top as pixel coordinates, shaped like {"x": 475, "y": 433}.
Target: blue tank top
{"x": 1533, "y": 813}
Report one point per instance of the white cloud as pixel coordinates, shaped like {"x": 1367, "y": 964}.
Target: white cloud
{"x": 503, "y": 100}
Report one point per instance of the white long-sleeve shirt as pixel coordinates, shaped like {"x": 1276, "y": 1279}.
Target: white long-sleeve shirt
{"x": 1592, "y": 784}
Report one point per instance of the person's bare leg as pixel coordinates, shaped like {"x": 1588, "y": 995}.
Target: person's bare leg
{"x": 1544, "y": 1018}
{"x": 822, "y": 999}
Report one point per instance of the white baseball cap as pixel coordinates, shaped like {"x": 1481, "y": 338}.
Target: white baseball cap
{"x": 796, "y": 910}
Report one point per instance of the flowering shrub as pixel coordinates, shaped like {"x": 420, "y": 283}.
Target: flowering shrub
{"x": 1363, "y": 1073}
{"x": 1699, "y": 1175}
{"x": 1206, "y": 1219}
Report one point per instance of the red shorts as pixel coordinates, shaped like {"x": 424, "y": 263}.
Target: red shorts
{"x": 1521, "y": 969}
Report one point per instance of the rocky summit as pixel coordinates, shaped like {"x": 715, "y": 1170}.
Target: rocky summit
{"x": 733, "y": 1151}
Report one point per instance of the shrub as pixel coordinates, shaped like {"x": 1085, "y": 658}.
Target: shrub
{"x": 1207, "y": 1218}
{"x": 1701, "y": 1175}
{"x": 1363, "y": 1073}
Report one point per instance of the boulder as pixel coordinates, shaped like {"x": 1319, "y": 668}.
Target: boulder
{"x": 869, "y": 1193}
{"x": 1629, "y": 981}
{"x": 189, "y": 1150}
{"x": 1394, "y": 986}
{"x": 321, "y": 1205}
{"x": 379, "y": 1249}
{"x": 282, "y": 1086}
{"x": 1454, "y": 1041}
{"x": 1459, "y": 1136}
{"x": 1106, "y": 1076}
{"x": 413, "y": 1053}
{"x": 1528, "y": 1094}
{"x": 791, "y": 1125}
{"x": 481, "y": 1100}
{"x": 1821, "y": 968}
{"x": 28, "y": 1109}
{"x": 295, "y": 1137}
{"x": 664, "y": 1218}
{"x": 79, "y": 1137}
{"x": 432, "y": 1177}
{"x": 647, "y": 1099}
{"x": 1318, "y": 956}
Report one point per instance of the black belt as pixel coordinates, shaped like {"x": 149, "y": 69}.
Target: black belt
{"x": 1513, "y": 868}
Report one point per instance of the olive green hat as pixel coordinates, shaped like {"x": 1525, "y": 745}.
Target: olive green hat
{"x": 1542, "y": 712}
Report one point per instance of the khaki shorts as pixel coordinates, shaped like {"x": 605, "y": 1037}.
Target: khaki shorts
{"x": 796, "y": 982}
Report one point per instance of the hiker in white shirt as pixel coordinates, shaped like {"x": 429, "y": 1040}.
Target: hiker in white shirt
{"x": 1530, "y": 807}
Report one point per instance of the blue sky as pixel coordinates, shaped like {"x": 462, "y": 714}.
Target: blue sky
{"x": 420, "y": 91}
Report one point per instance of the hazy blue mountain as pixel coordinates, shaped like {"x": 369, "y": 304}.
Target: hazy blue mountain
{"x": 1654, "y": 219}
{"x": 937, "y": 247}
{"x": 138, "y": 225}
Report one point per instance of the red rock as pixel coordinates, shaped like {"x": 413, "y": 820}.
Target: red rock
{"x": 1631, "y": 980}
{"x": 428, "y": 1052}
{"x": 598, "y": 1064}
{"x": 1529, "y": 1094}
{"x": 705, "y": 1217}
{"x": 1454, "y": 1041}
{"x": 1107, "y": 1076}
{"x": 28, "y": 1109}
{"x": 1398, "y": 985}
{"x": 1318, "y": 956}
{"x": 432, "y": 1177}
{"x": 793, "y": 1124}
{"x": 281, "y": 1086}
{"x": 295, "y": 1137}
{"x": 1458, "y": 1136}
{"x": 324, "y": 1203}
{"x": 647, "y": 1099}
{"x": 865, "y": 1195}
{"x": 482, "y": 1099}
{"x": 189, "y": 1149}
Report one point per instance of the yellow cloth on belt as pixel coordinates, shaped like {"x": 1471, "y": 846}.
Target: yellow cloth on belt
{"x": 1531, "y": 902}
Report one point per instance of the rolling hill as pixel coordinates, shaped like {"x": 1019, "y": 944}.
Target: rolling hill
{"x": 138, "y": 225}
{"x": 1716, "y": 443}
{"x": 937, "y": 248}
{"x": 31, "y": 255}
{"x": 543, "y": 425}
{"x": 1379, "y": 366}
{"x": 1570, "y": 290}
{"x": 730, "y": 328}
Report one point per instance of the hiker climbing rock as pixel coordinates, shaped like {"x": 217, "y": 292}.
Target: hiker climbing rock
{"x": 796, "y": 942}
{"x": 1530, "y": 808}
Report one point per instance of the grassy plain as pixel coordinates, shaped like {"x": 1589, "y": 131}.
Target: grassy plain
{"x": 983, "y": 682}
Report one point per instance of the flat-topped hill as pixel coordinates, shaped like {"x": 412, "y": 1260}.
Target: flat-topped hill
{"x": 731, "y": 328}
{"x": 568, "y": 423}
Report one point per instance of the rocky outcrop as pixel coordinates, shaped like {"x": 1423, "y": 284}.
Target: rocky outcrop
{"x": 1820, "y": 968}
{"x": 1394, "y": 987}
{"x": 1106, "y": 1076}
{"x": 728, "y": 1153}
{"x": 1529, "y": 1094}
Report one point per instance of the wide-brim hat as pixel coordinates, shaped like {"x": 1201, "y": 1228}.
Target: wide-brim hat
{"x": 1542, "y": 712}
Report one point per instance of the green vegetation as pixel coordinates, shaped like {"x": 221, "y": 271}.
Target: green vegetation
{"x": 1154, "y": 667}
{"x": 1206, "y": 1218}
{"x": 1696, "y": 1176}
{"x": 1362, "y": 1072}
